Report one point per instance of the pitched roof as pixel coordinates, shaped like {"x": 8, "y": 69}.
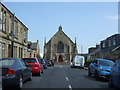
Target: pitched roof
{"x": 33, "y": 46}
{"x": 60, "y": 30}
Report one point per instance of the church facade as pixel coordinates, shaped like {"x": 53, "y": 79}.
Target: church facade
{"x": 60, "y": 47}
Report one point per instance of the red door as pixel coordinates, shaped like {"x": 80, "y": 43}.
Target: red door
{"x": 60, "y": 59}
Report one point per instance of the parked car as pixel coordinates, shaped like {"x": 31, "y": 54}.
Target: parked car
{"x": 50, "y": 62}
{"x": 42, "y": 61}
{"x": 36, "y": 67}
{"x": 114, "y": 80}
{"x": 100, "y": 68}
{"x": 78, "y": 61}
{"x": 14, "y": 72}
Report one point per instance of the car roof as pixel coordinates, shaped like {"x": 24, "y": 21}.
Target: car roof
{"x": 29, "y": 57}
{"x": 11, "y": 58}
{"x": 102, "y": 59}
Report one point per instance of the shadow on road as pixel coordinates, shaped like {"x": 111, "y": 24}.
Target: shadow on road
{"x": 92, "y": 78}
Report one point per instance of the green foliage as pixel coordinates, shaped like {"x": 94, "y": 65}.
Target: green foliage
{"x": 87, "y": 62}
{"x": 38, "y": 56}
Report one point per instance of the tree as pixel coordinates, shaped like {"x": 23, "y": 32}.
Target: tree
{"x": 38, "y": 56}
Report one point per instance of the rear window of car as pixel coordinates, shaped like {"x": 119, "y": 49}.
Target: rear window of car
{"x": 6, "y": 62}
{"x": 106, "y": 63}
{"x": 30, "y": 60}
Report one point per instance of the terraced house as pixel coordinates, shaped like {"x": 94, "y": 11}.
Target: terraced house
{"x": 13, "y": 35}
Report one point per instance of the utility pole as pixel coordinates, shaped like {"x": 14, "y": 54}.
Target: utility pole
{"x": 81, "y": 50}
{"x": 12, "y": 41}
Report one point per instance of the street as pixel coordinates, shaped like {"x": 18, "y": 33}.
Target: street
{"x": 62, "y": 76}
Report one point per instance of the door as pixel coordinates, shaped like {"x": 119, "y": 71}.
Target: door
{"x": 60, "y": 58}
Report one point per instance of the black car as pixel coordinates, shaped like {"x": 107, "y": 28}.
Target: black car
{"x": 50, "y": 63}
{"x": 14, "y": 72}
{"x": 42, "y": 61}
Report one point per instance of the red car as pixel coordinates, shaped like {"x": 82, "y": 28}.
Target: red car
{"x": 36, "y": 67}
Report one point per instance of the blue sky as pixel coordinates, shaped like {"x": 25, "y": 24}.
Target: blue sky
{"x": 89, "y": 22}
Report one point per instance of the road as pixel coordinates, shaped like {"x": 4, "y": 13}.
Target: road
{"x": 62, "y": 76}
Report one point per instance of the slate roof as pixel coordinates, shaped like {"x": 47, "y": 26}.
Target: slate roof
{"x": 33, "y": 46}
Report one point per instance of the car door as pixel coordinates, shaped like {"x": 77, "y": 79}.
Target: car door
{"x": 118, "y": 73}
{"x": 95, "y": 66}
{"x": 92, "y": 66}
{"x": 25, "y": 70}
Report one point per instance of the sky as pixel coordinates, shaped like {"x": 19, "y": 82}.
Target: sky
{"x": 89, "y": 22}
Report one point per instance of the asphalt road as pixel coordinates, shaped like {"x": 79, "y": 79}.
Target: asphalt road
{"x": 65, "y": 77}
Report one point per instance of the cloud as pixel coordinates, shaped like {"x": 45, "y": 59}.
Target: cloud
{"x": 113, "y": 17}
{"x": 41, "y": 54}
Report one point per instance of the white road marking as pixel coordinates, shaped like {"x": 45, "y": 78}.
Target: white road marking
{"x": 61, "y": 66}
{"x": 70, "y": 87}
{"x": 67, "y": 79}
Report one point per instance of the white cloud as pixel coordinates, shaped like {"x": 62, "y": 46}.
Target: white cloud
{"x": 113, "y": 17}
{"x": 41, "y": 54}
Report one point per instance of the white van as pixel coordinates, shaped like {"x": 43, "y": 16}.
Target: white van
{"x": 78, "y": 61}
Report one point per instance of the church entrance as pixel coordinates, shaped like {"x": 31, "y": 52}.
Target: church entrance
{"x": 60, "y": 58}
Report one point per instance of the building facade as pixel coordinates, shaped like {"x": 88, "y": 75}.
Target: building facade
{"x": 33, "y": 49}
{"x": 60, "y": 47}
{"x": 13, "y": 35}
{"x": 108, "y": 49}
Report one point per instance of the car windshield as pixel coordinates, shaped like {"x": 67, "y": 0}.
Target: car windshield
{"x": 106, "y": 63}
{"x": 6, "y": 62}
{"x": 29, "y": 60}
{"x": 118, "y": 64}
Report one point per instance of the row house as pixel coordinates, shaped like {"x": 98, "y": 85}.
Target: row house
{"x": 108, "y": 49}
{"x": 33, "y": 49}
{"x": 13, "y": 35}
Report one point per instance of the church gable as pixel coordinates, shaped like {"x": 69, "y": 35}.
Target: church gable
{"x": 61, "y": 36}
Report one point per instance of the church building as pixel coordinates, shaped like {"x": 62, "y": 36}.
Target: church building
{"x": 60, "y": 47}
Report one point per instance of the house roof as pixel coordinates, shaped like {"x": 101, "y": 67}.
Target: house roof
{"x": 33, "y": 46}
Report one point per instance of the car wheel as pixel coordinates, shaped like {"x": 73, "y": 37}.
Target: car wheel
{"x": 89, "y": 73}
{"x": 42, "y": 72}
{"x": 30, "y": 78}
{"x": 96, "y": 75}
{"x": 39, "y": 74}
{"x": 110, "y": 84}
{"x": 20, "y": 84}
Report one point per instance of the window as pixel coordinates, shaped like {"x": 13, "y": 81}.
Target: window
{"x": 1, "y": 20}
{"x": 4, "y": 21}
{"x": 2, "y": 51}
{"x": 109, "y": 42}
{"x": 103, "y": 45}
{"x": 54, "y": 48}
{"x": 114, "y": 41}
{"x": 30, "y": 54}
{"x": 10, "y": 25}
{"x": 60, "y": 47}
{"x": 7, "y": 62}
{"x": 34, "y": 55}
{"x": 118, "y": 64}
{"x": 15, "y": 28}
{"x": 30, "y": 60}
{"x": 25, "y": 36}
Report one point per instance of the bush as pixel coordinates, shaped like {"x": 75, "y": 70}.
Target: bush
{"x": 87, "y": 62}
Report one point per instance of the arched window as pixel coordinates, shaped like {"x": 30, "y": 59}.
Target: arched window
{"x": 60, "y": 47}
{"x": 30, "y": 54}
{"x": 34, "y": 55}
{"x": 54, "y": 48}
